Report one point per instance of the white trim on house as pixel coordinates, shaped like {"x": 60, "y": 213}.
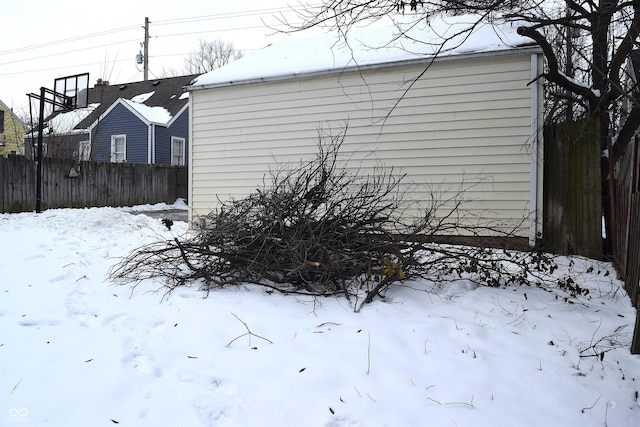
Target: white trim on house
{"x": 190, "y": 164}
{"x": 126, "y": 103}
{"x": 536, "y": 187}
{"x": 84, "y": 150}
{"x": 114, "y": 146}
{"x": 151, "y": 155}
{"x": 102, "y": 116}
{"x": 181, "y": 154}
{"x": 177, "y": 115}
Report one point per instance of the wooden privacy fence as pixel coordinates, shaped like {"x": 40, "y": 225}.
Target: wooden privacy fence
{"x": 625, "y": 202}
{"x": 66, "y": 184}
{"x": 573, "y": 189}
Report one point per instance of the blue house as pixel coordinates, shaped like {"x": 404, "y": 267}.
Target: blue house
{"x": 140, "y": 122}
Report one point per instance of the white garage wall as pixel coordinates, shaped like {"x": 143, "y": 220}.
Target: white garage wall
{"x": 466, "y": 123}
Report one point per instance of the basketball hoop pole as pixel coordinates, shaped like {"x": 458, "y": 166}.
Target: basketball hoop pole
{"x": 39, "y": 158}
{"x": 43, "y": 100}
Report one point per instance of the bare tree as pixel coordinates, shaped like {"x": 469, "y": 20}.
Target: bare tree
{"x": 210, "y": 55}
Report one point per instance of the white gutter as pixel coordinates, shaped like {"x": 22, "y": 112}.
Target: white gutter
{"x": 533, "y": 182}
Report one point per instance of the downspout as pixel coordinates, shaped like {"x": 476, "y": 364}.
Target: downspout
{"x": 533, "y": 182}
{"x": 150, "y": 151}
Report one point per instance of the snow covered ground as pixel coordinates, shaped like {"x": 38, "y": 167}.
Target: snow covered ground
{"x": 78, "y": 350}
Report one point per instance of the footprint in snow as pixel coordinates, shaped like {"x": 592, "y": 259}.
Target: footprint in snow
{"x": 210, "y": 383}
{"x": 137, "y": 357}
{"x": 79, "y": 306}
{"x": 37, "y": 323}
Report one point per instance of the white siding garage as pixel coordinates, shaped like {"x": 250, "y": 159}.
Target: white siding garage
{"x": 468, "y": 122}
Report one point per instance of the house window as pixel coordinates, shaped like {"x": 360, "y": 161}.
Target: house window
{"x": 118, "y": 148}
{"x": 177, "y": 151}
{"x": 45, "y": 148}
{"x": 84, "y": 151}
{"x": 1, "y": 121}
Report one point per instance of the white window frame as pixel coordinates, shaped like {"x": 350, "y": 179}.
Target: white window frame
{"x": 45, "y": 148}
{"x": 118, "y": 156}
{"x": 177, "y": 156}
{"x": 84, "y": 151}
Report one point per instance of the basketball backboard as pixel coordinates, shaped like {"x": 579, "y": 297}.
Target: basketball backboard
{"x": 71, "y": 92}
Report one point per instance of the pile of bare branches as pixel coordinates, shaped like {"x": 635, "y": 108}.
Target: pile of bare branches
{"x": 322, "y": 229}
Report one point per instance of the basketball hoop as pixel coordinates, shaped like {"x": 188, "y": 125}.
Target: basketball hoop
{"x": 68, "y": 94}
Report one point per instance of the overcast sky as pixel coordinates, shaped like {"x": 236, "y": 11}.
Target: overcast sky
{"x": 44, "y": 39}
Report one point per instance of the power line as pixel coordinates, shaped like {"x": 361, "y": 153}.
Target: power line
{"x": 217, "y": 30}
{"x": 256, "y": 12}
{"x": 175, "y": 21}
{"x": 98, "y": 63}
{"x": 67, "y": 40}
{"x": 67, "y": 52}
{"x": 62, "y": 67}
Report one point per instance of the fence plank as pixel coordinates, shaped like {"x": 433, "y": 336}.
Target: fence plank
{"x": 97, "y": 184}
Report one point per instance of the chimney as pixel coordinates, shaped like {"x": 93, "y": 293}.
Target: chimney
{"x": 101, "y": 82}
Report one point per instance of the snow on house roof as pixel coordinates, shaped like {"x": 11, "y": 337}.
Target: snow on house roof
{"x": 65, "y": 122}
{"x": 143, "y": 96}
{"x": 364, "y": 47}
{"x": 158, "y": 115}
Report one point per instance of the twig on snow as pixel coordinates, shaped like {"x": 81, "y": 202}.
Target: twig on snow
{"x": 249, "y": 333}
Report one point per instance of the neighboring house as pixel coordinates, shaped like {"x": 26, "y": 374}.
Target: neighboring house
{"x": 140, "y": 122}
{"x": 470, "y": 121}
{"x": 12, "y": 131}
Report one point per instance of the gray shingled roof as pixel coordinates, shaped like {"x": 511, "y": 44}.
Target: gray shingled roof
{"x": 167, "y": 94}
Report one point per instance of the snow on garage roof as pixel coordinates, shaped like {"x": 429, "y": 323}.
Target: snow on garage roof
{"x": 364, "y": 47}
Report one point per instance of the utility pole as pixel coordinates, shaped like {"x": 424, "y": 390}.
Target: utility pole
{"x": 146, "y": 49}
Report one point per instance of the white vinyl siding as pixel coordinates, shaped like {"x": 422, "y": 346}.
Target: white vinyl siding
{"x": 118, "y": 148}
{"x": 177, "y": 151}
{"x": 466, "y": 124}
